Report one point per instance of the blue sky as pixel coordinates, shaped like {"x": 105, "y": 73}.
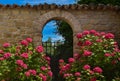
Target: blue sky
{"x": 50, "y": 27}
{"x": 49, "y": 31}
{"x": 32, "y": 2}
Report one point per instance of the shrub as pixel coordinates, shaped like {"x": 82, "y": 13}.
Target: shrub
{"x": 23, "y": 62}
{"x": 98, "y": 53}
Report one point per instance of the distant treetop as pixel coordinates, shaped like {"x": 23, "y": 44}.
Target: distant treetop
{"x": 112, "y": 2}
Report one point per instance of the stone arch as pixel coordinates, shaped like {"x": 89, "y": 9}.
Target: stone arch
{"x": 57, "y": 15}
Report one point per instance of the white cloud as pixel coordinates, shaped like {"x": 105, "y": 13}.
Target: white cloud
{"x": 58, "y": 38}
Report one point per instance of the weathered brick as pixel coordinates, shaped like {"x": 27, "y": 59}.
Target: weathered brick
{"x": 17, "y": 24}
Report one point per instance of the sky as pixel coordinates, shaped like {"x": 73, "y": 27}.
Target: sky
{"x": 32, "y": 2}
{"x": 50, "y": 27}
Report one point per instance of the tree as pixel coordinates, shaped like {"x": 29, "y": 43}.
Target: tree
{"x": 65, "y": 49}
{"x": 112, "y": 2}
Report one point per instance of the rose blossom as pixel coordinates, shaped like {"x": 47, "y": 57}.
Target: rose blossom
{"x": 97, "y": 70}
{"x": 79, "y": 43}
{"x": 86, "y": 67}
{"x": 24, "y": 55}
{"x": 93, "y": 79}
{"x": 79, "y": 35}
{"x": 102, "y": 33}
{"x": 39, "y": 49}
{"x": 67, "y": 75}
{"x": 47, "y": 58}
{"x": 24, "y": 42}
{"x": 99, "y": 40}
{"x": 50, "y": 73}
{"x": 33, "y": 72}
{"x": 7, "y": 55}
{"x": 87, "y": 43}
{"x": 1, "y": 52}
{"x": 71, "y": 60}
{"x": 44, "y": 78}
{"x": 5, "y": 45}
{"x": 19, "y": 62}
{"x": 109, "y": 36}
{"x": 43, "y": 68}
{"x": 25, "y": 66}
{"x": 77, "y": 74}
{"x": 76, "y": 56}
{"x": 86, "y": 32}
{"x": 1, "y": 58}
{"x": 27, "y": 73}
{"x": 29, "y": 40}
{"x": 92, "y": 31}
{"x": 107, "y": 54}
{"x": 61, "y": 61}
{"x": 87, "y": 53}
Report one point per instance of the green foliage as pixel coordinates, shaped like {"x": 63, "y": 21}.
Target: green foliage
{"x": 113, "y": 2}
{"x": 23, "y": 62}
{"x": 66, "y": 49}
{"x": 98, "y": 58}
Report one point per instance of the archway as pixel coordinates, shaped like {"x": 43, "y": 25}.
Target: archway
{"x": 57, "y": 15}
{"x": 57, "y": 39}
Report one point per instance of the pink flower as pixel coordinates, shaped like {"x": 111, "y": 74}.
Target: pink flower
{"x": 67, "y": 75}
{"x": 93, "y": 79}
{"x": 1, "y": 52}
{"x": 97, "y": 70}
{"x": 27, "y": 73}
{"x": 29, "y": 40}
{"x": 86, "y": 32}
{"x": 77, "y": 74}
{"x": 50, "y": 73}
{"x": 109, "y": 36}
{"x": 19, "y": 62}
{"x": 91, "y": 72}
{"x": 43, "y": 68}
{"x": 102, "y": 33}
{"x": 7, "y": 55}
{"x": 71, "y": 60}
{"x": 86, "y": 67}
{"x": 47, "y": 58}
{"x": 24, "y": 55}
{"x": 33, "y": 72}
{"x": 61, "y": 61}
{"x": 114, "y": 62}
{"x": 67, "y": 66}
{"x": 76, "y": 56}
{"x": 79, "y": 35}
{"x": 39, "y": 49}
{"x": 92, "y": 31}
{"x": 107, "y": 54}
{"x": 87, "y": 43}
{"x": 87, "y": 53}
{"x": 99, "y": 40}
{"x": 24, "y": 42}
{"x": 97, "y": 34}
{"x": 1, "y": 58}
{"x": 25, "y": 66}
{"x": 79, "y": 43}
{"x": 119, "y": 59}
{"x": 5, "y": 45}
{"x": 44, "y": 78}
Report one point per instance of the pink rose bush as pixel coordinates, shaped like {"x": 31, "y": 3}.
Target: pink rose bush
{"x": 23, "y": 62}
{"x": 97, "y": 60}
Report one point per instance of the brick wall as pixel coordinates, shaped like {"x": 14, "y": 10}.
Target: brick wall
{"x": 17, "y": 23}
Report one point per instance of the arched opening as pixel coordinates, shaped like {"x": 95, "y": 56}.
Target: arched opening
{"x": 57, "y": 39}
